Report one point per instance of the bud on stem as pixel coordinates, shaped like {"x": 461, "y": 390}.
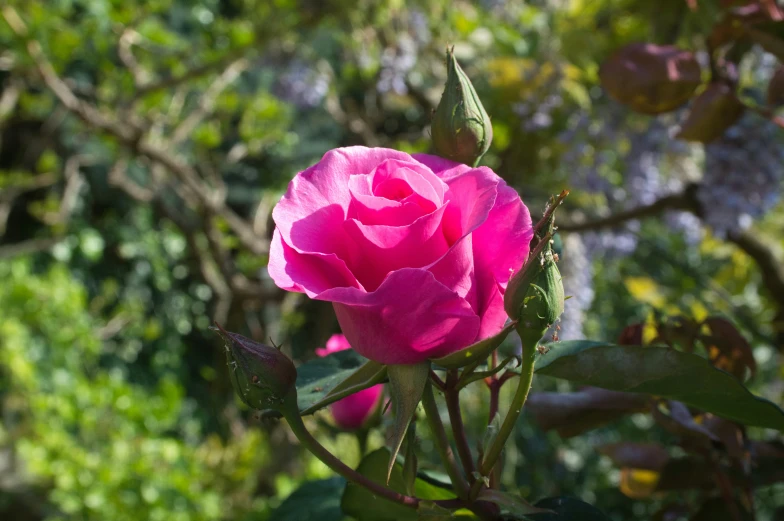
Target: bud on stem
{"x": 461, "y": 128}
{"x": 262, "y": 376}
{"x": 535, "y": 295}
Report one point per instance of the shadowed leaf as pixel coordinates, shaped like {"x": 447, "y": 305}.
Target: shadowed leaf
{"x": 361, "y": 504}
{"x": 727, "y": 348}
{"x": 313, "y": 500}
{"x": 660, "y": 371}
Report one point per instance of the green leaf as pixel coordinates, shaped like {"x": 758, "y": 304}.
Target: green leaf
{"x": 361, "y": 504}
{"x": 406, "y": 386}
{"x": 661, "y": 371}
{"x": 368, "y": 375}
{"x": 474, "y": 353}
{"x": 313, "y": 500}
{"x": 567, "y": 509}
{"x": 512, "y": 506}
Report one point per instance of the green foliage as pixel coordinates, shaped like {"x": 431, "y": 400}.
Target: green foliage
{"x": 313, "y": 500}
{"x": 659, "y": 371}
{"x": 109, "y": 448}
{"x": 361, "y": 504}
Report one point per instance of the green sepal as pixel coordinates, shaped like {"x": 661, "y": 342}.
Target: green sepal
{"x": 369, "y": 374}
{"x": 475, "y": 353}
{"x": 406, "y": 386}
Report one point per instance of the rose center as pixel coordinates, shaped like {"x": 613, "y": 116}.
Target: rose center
{"x": 393, "y": 189}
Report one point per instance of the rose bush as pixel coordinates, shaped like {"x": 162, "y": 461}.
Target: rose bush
{"x": 354, "y": 410}
{"x": 414, "y": 252}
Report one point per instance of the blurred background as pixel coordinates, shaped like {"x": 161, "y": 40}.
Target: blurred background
{"x": 143, "y": 145}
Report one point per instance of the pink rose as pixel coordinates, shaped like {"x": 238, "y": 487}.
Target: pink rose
{"x": 353, "y": 411}
{"x": 414, "y": 252}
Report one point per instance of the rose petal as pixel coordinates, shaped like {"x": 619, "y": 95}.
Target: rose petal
{"x": 489, "y": 305}
{"x": 352, "y": 412}
{"x": 411, "y": 317}
{"x": 369, "y": 209}
{"x": 335, "y": 343}
{"x": 388, "y": 248}
{"x": 310, "y": 214}
{"x": 419, "y": 179}
{"x": 309, "y": 273}
{"x": 443, "y": 168}
{"x": 502, "y": 242}
{"x": 470, "y": 198}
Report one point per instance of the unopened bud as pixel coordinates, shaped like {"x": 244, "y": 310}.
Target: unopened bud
{"x": 461, "y": 128}
{"x": 261, "y": 375}
{"x": 541, "y": 300}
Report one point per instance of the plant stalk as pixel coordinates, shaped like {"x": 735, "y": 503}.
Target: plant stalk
{"x": 309, "y": 442}
{"x": 442, "y": 443}
{"x": 523, "y": 386}
{"x": 452, "y": 395}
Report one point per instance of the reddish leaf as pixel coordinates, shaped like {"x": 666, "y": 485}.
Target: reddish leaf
{"x": 730, "y": 435}
{"x": 678, "y": 331}
{"x": 631, "y": 335}
{"x": 711, "y": 113}
{"x": 571, "y": 414}
{"x": 776, "y": 88}
{"x": 678, "y": 420}
{"x": 648, "y": 456}
{"x": 651, "y": 78}
{"x": 686, "y": 473}
{"x": 638, "y": 483}
{"x": 727, "y": 348}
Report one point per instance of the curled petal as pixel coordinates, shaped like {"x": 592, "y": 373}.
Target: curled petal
{"x": 388, "y": 248}
{"x": 443, "y": 168}
{"x": 309, "y": 273}
{"x": 310, "y": 214}
{"x": 353, "y": 411}
{"x": 502, "y": 242}
{"x": 411, "y": 317}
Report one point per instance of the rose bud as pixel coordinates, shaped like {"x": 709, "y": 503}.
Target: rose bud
{"x": 650, "y": 78}
{"x": 535, "y": 298}
{"x": 461, "y": 128}
{"x": 543, "y": 302}
{"x": 261, "y": 375}
{"x": 711, "y": 113}
{"x": 353, "y": 411}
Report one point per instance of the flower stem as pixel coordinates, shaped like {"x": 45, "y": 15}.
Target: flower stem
{"x": 309, "y": 442}
{"x": 523, "y": 386}
{"x": 442, "y": 443}
{"x": 452, "y": 395}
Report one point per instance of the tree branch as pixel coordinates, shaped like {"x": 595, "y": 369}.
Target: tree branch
{"x": 679, "y": 201}
{"x": 28, "y": 246}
